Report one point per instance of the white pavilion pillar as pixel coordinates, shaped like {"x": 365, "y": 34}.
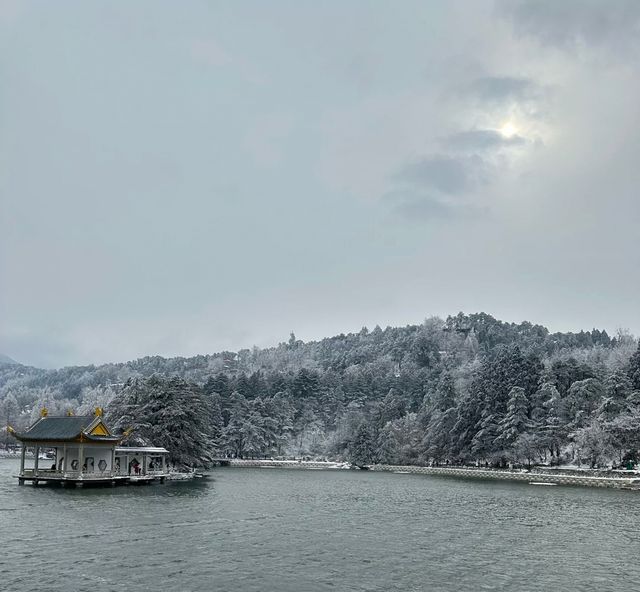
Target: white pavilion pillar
{"x": 80, "y": 458}
{"x": 113, "y": 460}
{"x": 64, "y": 459}
{"x": 23, "y": 453}
{"x": 35, "y": 465}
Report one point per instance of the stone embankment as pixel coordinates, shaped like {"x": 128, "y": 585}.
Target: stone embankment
{"x": 534, "y": 476}
{"x": 614, "y": 480}
{"x": 281, "y": 464}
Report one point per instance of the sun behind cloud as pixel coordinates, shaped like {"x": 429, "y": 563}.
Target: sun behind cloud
{"x": 508, "y": 129}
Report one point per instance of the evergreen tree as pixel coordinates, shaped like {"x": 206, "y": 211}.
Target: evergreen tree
{"x": 583, "y": 398}
{"x": 540, "y": 404}
{"x": 254, "y": 435}
{"x": 484, "y": 444}
{"x": 565, "y": 373}
{"x": 617, "y": 386}
{"x": 217, "y": 384}
{"x": 232, "y": 440}
{"x": 516, "y": 421}
{"x": 363, "y": 448}
{"x": 438, "y": 440}
{"x": 468, "y": 417}
{"x": 593, "y": 443}
{"x": 305, "y": 384}
{"x": 425, "y": 349}
{"x": 167, "y": 412}
{"x": 392, "y": 407}
{"x": 398, "y": 441}
{"x": 216, "y": 422}
{"x": 281, "y": 412}
{"x": 633, "y": 369}
{"x": 445, "y": 395}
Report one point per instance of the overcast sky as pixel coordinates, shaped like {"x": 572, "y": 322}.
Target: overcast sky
{"x": 185, "y": 177}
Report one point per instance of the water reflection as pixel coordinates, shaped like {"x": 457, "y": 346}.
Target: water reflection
{"x": 197, "y": 488}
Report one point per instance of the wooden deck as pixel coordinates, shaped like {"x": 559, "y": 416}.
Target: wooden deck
{"x": 77, "y": 479}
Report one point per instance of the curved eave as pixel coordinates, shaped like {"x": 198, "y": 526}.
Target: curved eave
{"x": 29, "y": 439}
{"x": 81, "y": 439}
{"x": 104, "y": 439}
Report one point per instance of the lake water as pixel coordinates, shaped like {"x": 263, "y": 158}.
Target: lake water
{"x": 299, "y": 531}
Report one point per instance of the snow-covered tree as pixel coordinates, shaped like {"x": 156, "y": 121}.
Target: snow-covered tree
{"x": 516, "y": 421}
{"x": 593, "y": 443}
{"x": 168, "y": 412}
{"x": 363, "y": 449}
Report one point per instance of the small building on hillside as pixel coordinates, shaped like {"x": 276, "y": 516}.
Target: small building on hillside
{"x": 84, "y": 450}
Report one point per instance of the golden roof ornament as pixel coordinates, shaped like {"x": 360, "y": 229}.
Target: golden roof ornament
{"x": 44, "y": 412}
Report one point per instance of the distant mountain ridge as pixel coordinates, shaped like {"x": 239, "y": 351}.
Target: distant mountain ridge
{"x": 7, "y": 361}
{"x": 432, "y": 346}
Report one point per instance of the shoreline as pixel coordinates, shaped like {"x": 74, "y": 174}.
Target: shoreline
{"x": 538, "y": 476}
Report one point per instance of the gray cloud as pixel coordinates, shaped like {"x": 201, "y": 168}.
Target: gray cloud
{"x": 438, "y": 187}
{"x": 51, "y": 348}
{"x": 191, "y": 152}
{"x": 574, "y": 23}
{"x": 498, "y": 89}
{"x": 417, "y": 207}
{"x": 481, "y": 140}
{"x": 412, "y": 206}
{"x": 450, "y": 175}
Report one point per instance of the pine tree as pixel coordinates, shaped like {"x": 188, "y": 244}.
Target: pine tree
{"x": 305, "y": 384}
{"x": 583, "y": 398}
{"x": 484, "y": 441}
{"x": 539, "y": 407}
{"x": 617, "y": 386}
{"x": 280, "y": 410}
{"x": 468, "y": 416}
{"x": 232, "y": 440}
{"x": 216, "y": 420}
{"x": 392, "y": 407}
{"x": 363, "y": 448}
{"x": 425, "y": 349}
{"x": 445, "y": 394}
{"x": 438, "y": 440}
{"x": 217, "y": 384}
{"x": 633, "y": 369}
{"x": 516, "y": 420}
{"x": 593, "y": 443}
{"x": 168, "y": 412}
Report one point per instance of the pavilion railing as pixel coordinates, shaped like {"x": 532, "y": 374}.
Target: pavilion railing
{"x": 44, "y": 473}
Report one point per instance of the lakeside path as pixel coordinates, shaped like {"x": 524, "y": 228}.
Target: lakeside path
{"x": 533, "y": 476}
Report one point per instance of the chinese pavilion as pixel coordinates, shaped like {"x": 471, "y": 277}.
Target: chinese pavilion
{"x": 83, "y": 450}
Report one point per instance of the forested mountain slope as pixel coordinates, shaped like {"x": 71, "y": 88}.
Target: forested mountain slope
{"x": 468, "y": 387}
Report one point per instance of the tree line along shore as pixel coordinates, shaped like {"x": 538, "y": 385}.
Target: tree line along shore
{"x": 466, "y": 389}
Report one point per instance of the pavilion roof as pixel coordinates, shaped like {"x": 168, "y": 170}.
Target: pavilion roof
{"x": 68, "y": 428}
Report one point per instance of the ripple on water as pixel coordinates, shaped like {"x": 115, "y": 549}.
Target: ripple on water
{"x": 296, "y": 531}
